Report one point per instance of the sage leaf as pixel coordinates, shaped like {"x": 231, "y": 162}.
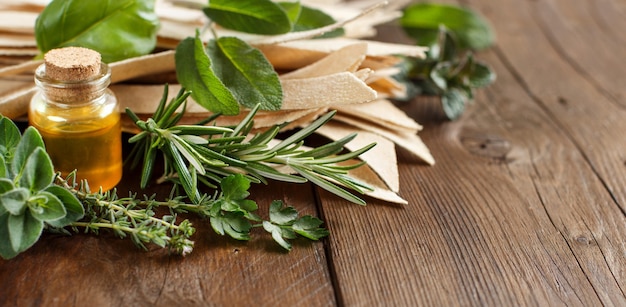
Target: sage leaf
{"x": 311, "y": 18}
{"x": 15, "y": 200}
{"x": 30, "y": 141}
{"x": 251, "y": 16}
{"x": 117, "y": 29}
{"x": 246, "y": 72}
{"x": 46, "y": 207}
{"x": 73, "y": 208}
{"x": 24, "y": 231}
{"x": 422, "y": 22}
{"x": 292, "y": 9}
{"x": 194, "y": 72}
{"x": 38, "y": 172}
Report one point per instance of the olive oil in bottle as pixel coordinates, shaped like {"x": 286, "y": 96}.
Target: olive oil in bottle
{"x": 77, "y": 116}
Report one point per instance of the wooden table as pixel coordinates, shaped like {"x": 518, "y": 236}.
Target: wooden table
{"x": 525, "y": 205}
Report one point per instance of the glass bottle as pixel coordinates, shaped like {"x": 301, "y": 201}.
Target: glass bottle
{"x": 77, "y": 116}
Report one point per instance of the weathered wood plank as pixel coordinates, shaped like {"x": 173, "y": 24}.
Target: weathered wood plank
{"x": 92, "y": 270}
{"x": 516, "y": 211}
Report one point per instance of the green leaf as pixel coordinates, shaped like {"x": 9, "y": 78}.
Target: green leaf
{"x": 15, "y": 200}
{"x": 5, "y": 185}
{"x": 9, "y": 138}
{"x": 73, "y": 208}
{"x": 246, "y": 72}
{"x": 235, "y": 187}
{"x": 3, "y": 168}
{"x": 277, "y": 234}
{"x": 481, "y": 75}
{"x": 118, "y": 29}
{"x": 311, "y": 18}
{"x": 38, "y": 172}
{"x": 6, "y": 248}
{"x": 45, "y": 206}
{"x": 292, "y": 9}
{"x": 453, "y": 102}
{"x": 471, "y": 29}
{"x": 24, "y": 231}
{"x": 30, "y": 141}
{"x": 251, "y": 16}
{"x": 439, "y": 75}
{"x": 194, "y": 72}
{"x": 233, "y": 224}
{"x": 309, "y": 227}
{"x": 282, "y": 215}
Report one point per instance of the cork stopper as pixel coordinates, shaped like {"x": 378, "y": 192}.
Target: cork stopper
{"x": 73, "y": 75}
{"x": 72, "y": 64}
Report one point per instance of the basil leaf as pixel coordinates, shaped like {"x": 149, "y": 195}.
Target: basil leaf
{"x": 311, "y": 18}
{"x": 422, "y": 21}
{"x": 251, "y": 16}
{"x": 246, "y": 72}
{"x": 38, "y": 172}
{"x": 118, "y": 29}
{"x": 73, "y": 208}
{"x": 194, "y": 72}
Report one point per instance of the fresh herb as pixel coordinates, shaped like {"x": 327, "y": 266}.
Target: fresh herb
{"x": 28, "y": 199}
{"x": 118, "y": 29}
{"x": 206, "y": 154}
{"x": 33, "y": 199}
{"x": 450, "y": 69}
{"x": 422, "y": 21}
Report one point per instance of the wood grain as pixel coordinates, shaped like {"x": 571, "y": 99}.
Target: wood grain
{"x": 524, "y": 206}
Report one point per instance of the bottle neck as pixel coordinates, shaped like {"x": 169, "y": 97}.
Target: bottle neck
{"x": 73, "y": 92}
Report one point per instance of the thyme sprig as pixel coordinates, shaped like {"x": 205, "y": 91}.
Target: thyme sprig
{"x": 206, "y": 154}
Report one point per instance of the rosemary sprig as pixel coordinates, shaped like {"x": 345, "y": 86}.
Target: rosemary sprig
{"x": 209, "y": 153}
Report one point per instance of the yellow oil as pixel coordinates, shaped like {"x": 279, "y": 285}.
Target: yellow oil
{"x": 86, "y": 139}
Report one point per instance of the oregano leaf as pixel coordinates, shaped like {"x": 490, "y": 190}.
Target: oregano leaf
{"x": 117, "y": 29}
{"x": 15, "y": 200}
{"x": 246, "y": 72}
{"x": 74, "y": 209}
{"x": 45, "y": 206}
{"x": 38, "y": 172}
{"x": 251, "y": 16}
{"x": 6, "y": 247}
{"x": 194, "y": 72}
{"x": 10, "y": 137}
{"x": 24, "y": 231}
{"x": 31, "y": 140}
{"x": 453, "y": 102}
